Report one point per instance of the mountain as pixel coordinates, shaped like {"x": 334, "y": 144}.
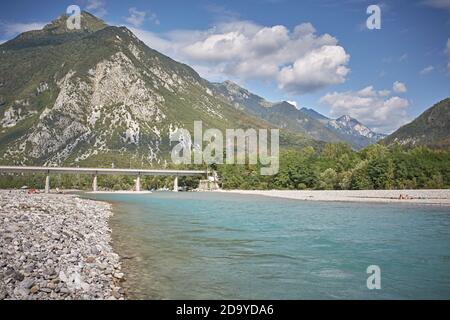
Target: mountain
{"x": 241, "y": 98}
{"x": 304, "y": 121}
{"x": 314, "y": 114}
{"x": 99, "y": 95}
{"x": 356, "y": 129}
{"x": 431, "y": 129}
{"x": 280, "y": 114}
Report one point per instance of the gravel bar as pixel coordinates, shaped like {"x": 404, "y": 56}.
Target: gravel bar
{"x": 416, "y": 197}
{"x": 55, "y": 247}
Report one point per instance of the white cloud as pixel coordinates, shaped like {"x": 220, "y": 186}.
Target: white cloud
{"x": 137, "y": 18}
{"x": 373, "y": 108}
{"x": 438, "y": 4}
{"x": 12, "y": 29}
{"x": 96, "y": 7}
{"x": 399, "y": 87}
{"x": 298, "y": 60}
{"x": 294, "y": 103}
{"x": 426, "y": 70}
{"x": 317, "y": 69}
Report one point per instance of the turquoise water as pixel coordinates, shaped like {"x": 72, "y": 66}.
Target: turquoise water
{"x": 229, "y": 246}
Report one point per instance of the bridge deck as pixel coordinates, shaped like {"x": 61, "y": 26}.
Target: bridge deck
{"x": 101, "y": 171}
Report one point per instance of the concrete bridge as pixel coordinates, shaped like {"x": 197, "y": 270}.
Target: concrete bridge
{"x": 95, "y": 172}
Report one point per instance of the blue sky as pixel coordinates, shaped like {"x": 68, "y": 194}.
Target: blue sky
{"x": 316, "y": 53}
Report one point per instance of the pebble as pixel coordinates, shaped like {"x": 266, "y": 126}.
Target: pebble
{"x": 27, "y": 283}
{"x": 56, "y": 247}
{"x": 118, "y": 275}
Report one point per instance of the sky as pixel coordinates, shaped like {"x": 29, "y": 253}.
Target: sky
{"x": 317, "y": 54}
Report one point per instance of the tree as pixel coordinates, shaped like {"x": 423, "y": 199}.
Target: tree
{"x": 381, "y": 173}
{"x": 360, "y": 177}
{"x": 328, "y": 179}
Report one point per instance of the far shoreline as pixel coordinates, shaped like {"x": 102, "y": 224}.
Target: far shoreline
{"x": 436, "y": 197}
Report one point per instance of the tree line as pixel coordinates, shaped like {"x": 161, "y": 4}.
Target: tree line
{"x": 338, "y": 167}
{"x": 335, "y": 167}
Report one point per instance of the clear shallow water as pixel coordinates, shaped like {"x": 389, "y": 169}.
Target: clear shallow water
{"x": 229, "y": 246}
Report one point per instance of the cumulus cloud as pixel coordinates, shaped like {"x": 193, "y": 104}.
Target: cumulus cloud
{"x": 317, "y": 69}
{"x": 426, "y": 70}
{"x": 137, "y": 18}
{"x": 373, "y": 108}
{"x": 399, "y": 87}
{"x": 298, "y": 60}
{"x": 97, "y": 7}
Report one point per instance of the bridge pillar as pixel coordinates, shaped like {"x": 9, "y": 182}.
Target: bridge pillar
{"x": 138, "y": 183}
{"x": 47, "y": 183}
{"x": 95, "y": 184}
{"x": 175, "y": 184}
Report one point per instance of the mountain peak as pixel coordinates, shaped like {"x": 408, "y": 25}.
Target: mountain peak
{"x": 314, "y": 114}
{"x": 233, "y": 86}
{"x": 231, "y": 83}
{"x": 347, "y": 118}
{"x": 351, "y": 126}
{"x": 89, "y": 23}
{"x": 285, "y": 104}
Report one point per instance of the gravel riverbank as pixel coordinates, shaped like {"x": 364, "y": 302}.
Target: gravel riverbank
{"x": 417, "y": 197}
{"x": 56, "y": 247}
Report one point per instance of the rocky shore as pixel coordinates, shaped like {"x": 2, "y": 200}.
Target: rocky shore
{"x": 56, "y": 247}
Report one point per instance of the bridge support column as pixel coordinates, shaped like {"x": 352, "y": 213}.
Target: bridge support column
{"x": 95, "y": 184}
{"x": 138, "y": 184}
{"x": 175, "y": 184}
{"x": 47, "y": 184}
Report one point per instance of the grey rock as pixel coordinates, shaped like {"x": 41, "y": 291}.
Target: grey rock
{"x": 27, "y": 283}
{"x": 18, "y": 276}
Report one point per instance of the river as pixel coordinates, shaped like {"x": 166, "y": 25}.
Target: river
{"x": 231, "y": 246}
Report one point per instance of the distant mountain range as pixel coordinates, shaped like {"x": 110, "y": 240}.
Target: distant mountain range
{"x": 99, "y": 95}
{"x": 431, "y": 129}
{"x": 306, "y": 121}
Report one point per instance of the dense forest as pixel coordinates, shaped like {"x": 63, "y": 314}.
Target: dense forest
{"x": 336, "y": 166}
